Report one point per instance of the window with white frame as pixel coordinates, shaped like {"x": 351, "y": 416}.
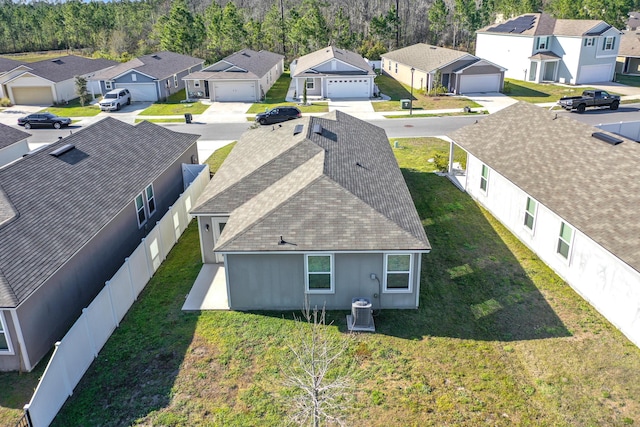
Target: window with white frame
{"x": 108, "y": 85}
{"x": 151, "y": 199}
{"x": 396, "y": 68}
{"x": 589, "y": 41}
{"x": 530, "y": 213}
{"x": 484, "y": 178}
{"x": 609, "y": 43}
{"x": 389, "y": 65}
{"x": 142, "y": 215}
{"x": 319, "y": 273}
{"x": 564, "y": 240}
{"x": 5, "y": 344}
{"x": 134, "y": 77}
{"x": 175, "y": 80}
{"x": 543, "y": 43}
{"x": 397, "y": 273}
{"x": 311, "y": 84}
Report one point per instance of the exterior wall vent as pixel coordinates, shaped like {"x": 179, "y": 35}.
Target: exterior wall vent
{"x": 60, "y": 151}
{"x": 607, "y": 138}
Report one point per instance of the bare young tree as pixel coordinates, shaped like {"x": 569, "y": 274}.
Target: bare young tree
{"x": 321, "y": 393}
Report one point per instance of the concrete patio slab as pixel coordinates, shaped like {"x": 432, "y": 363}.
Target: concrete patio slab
{"x": 209, "y": 291}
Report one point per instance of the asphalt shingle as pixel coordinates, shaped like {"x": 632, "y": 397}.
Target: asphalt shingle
{"x": 426, "y": 57}
{"x": 67, "y": 67}
{"x": 9, "y": 135}
{"x": 159, "y": 65}
{"x": 255, "y": 65}
{"x": 305, "y": 64}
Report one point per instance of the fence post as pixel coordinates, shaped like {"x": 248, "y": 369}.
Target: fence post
{"x": 131, "y": 285}
{"x": 94, "y": 351}
{"x": 107, "y": 284}
{"x": 147, "y": 259}
{"x": 160, "y": 242}
{"x": 27, "y": 415}
{"x": 67, "y": 381}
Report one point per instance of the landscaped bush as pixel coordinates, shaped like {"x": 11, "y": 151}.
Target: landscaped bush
{"x": 5, "y": 102}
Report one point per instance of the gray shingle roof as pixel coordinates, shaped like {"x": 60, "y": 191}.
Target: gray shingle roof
{"x": 159, "y": 65}
{"x": 256, "y": 64}
{"x": 56, "y": 212}
{"x": 589, "y": 183}
{"x": 337, "y": 190}
{"x": 545, "y": 25}
{"x": 10, "y": 135}
{"x": 7, "y": 64}
{"x": 426, "y": 57}
{"x": 629, "y": 44}
{"x": 67, "y": 67}
{"x": 325, "y": 54}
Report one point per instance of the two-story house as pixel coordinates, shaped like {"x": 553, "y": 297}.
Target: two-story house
{"x": 537, "y": 47}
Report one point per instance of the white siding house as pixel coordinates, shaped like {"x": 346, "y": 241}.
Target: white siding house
{"x": 537, "y": 47}
{"x": 535, "y": 181}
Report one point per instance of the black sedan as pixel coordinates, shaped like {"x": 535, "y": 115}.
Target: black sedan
{"x": 43, "y": 119}
{"x": 277, "y": 115}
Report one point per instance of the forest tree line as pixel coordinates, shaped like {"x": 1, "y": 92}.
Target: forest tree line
{"x": 208, "y": 29}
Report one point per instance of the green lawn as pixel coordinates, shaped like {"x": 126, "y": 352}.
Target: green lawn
{"x": 173, "y": 106}
{"x": 397, "y": 91}
{"x": 160, "y": 120}
{"x": 628, "y": 80}
{"x": 277, "y": 95}
{"x": 538, "y": 93}
{"x": 498, "y": 340}
{"x": 74, "y": 109}
{"x": 418, "y": 115}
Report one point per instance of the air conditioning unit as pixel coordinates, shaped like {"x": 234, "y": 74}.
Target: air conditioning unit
{"x": 361, "y": 317}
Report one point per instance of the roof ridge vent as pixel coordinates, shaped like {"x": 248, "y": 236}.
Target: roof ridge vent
{"x": 60, "y": 151}
{"x": 609, "y": 139}
{"x": 317, "y": 129}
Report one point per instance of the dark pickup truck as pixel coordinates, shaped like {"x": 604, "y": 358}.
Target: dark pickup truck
{"x": 590, "y": 98}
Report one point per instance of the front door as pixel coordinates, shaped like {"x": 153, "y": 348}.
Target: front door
{"x": 218, "y": 226}
{"x": 550, "y": 71}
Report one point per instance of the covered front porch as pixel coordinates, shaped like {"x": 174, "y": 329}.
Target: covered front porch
{"x": 209, "y": 291}
{"x": 544, "y": 67}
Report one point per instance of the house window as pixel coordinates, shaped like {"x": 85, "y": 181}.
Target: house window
{"x": 588, "y": 41}
{"x": 5, "y": 345}
{"x": 484, "y": 178}
{"x": 319, "y": 273}
{"x": 134, "y": 77}
{"x": 396, "y": 68}
{"x": 108, "y": 85}
{"x": 389, "y": 65}
{"x": 382, "y": 63}
{"x": 564, "y": 240}
{"x": 151, "y": 200}
{"x": 142, "y": 216}
{"x": 311, "y": 84}
{"x": 609, "y": 43}
{"x": 175, "y": 80}
{"x": 543, "y": 43}
{"x": 530, "y": 213}
{"x": 397, "y": 273}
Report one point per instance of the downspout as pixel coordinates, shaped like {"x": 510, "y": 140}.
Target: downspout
{"x": 21, "y": 344}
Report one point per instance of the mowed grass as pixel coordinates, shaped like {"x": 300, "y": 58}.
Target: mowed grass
{"x": 498, "y": 340}
{"x": 539, "y": 92}
{"x": 173, "y": 106}
{"x": 276, "y": 96}
{"x": 398, "y": 91}
{"x": 628, "y": 80}
{"x": 74, "y": 109}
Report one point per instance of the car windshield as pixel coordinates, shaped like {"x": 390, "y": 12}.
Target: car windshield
{"x": 111, "y": 95}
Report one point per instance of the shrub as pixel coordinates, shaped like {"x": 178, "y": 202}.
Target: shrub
{"x": 5, "y": 102}
{"x": 506, "y": 88}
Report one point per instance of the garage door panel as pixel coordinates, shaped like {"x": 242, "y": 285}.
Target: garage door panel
{"x": 595, "y": 73}
{"x": 234, "y": 91}
{"x": 473, "y": 83}
{"x": 32, "y": 95}
{"x": 140, "y": 91}
{"x": 348, "y": 88}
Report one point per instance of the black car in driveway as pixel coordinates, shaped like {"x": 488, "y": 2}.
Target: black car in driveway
{"x": 277, "y": 115}
{"x": 43, "y": 119}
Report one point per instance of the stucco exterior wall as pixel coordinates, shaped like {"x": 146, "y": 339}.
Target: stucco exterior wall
{"x": 66, "y": 90}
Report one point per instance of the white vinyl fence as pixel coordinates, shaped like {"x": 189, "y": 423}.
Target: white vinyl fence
{"x": 73, "y": 355}
{"x": 629, "y": 130}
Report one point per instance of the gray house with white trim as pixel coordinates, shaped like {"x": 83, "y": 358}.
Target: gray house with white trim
{"x": 151, "y": 77}
{"x": 314, "y": 208}
{"x": 66, "y": 231}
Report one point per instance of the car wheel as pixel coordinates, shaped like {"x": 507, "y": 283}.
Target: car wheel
{"x": 27, "y": 125}
{"x": 581, "y": 108}
{"x": 117, "y": 107}
{"x": 262, "y": 121}
{"x": 614, "y": 105}
{"x": 129, "y": 101}
{"x": 57, "y": 125}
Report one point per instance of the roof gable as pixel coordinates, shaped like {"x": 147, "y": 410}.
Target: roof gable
{"x": 7, "y": 64}
{"x": 67, "y": 67}
{"x": 312, "y": 60}
{"x": 542, "y": 24}
{"x": 248, "y": 62}
{"x": 426, "y": 57}
{"x": 158, "y": 66}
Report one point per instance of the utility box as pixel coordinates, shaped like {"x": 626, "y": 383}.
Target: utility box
{"x": 405, "y": 104}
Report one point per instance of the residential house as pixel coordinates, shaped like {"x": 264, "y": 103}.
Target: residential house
{"x": 315, "y": 208}
{"x": 459, "y": 72}
{"x": 539, "y": 48}
{"x": 69, "y": 215}
{"x": 50, "y": 81}
{"x": 151, "y": 77}
{"x": 245, "y": 76}
{"x": 9, "y": 68}
{"x": 628, "y": 61}
{"x": 567, "y": 190}
{"x": 333, "y": 73}
{"x": 633, "y": 21}
{"x": 13, "y": 144}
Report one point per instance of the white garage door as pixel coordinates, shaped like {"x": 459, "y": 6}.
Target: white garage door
{"x": 348, "y": 88}
{"x": 140, "y": 91}
{"x": 474, "y": 83}
{"x": 595, "y": 73}
{"x": 32, "y": 95}
{"x": 235, "y": 91}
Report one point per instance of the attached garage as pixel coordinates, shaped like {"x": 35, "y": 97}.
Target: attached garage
{"x": 345, "y": 87}
{"x": 473, "y": 83}
{"x": 32, "y": 95}
{"x": 140, "y": 91}
{"x": 234, "y": 91}
{"x": 595, "y": 73}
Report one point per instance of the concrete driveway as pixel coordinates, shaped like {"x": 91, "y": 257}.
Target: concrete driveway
{"x": 225, "y": 112}
{"x": 358, "y": 107}
{"x": 617, "y": 88}
{"x": 491, "y": 102}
